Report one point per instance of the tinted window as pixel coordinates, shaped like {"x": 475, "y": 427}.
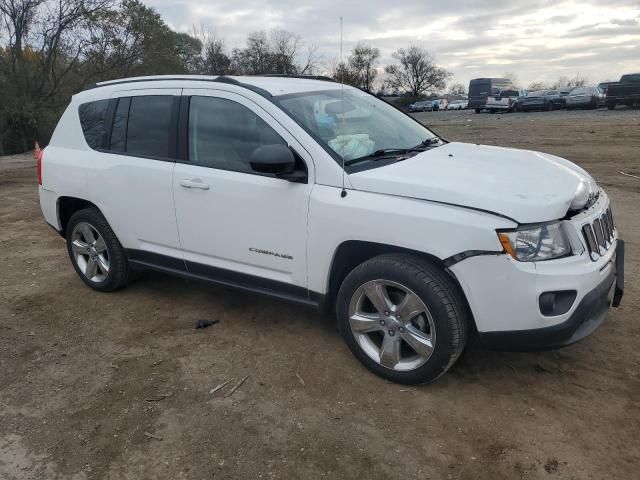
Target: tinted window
{"x": 119, "y": 129}
{"x": 223, "y": 134}
{"x": 479, "y": 87}
{"x": 149, "y": 125}
{"x": 92, "y": 121}
{"x": 630, "y": 78}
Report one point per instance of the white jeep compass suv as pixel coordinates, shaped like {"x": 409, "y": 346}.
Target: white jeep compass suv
{"x": 324, "y": 195}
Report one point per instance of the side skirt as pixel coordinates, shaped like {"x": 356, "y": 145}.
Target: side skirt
{"x": 195, "y": 271}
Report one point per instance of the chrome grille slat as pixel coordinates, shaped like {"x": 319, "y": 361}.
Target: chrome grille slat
{"x": 599, "y": 234}
{"x": 598, "y": 230}
{"x": 604, "y": 222}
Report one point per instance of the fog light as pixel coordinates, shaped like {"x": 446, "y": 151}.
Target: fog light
{"x": 556, "y": 303}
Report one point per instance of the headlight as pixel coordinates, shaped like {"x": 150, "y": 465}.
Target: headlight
{"x": 532, "y": 243}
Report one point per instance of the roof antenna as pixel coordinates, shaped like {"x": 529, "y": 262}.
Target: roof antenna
{"x": 343, "y": 193}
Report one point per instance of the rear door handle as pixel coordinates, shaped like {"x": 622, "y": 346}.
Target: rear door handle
{"x": 194, "y": 183}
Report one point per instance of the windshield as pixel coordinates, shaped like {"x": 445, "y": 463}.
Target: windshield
{"x": 355, "y": 128}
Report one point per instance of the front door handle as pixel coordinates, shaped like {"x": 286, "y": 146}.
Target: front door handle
{"x": 194, "y": 183}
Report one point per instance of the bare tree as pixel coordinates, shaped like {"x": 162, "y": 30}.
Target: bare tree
{"x": 362, "y": 62}
{"x": 256, "y": 58}
{"x": 343, "y": 73}
{"x": 512, "y": 77}
{"x": 457, "y": 89}
{"x": 312, "y": 60}
{"x": 570, "y": 82}
{"x": 415, "y": 72}
{"x": 534, "y": 86}
{"x": 285, "y": 46}
{"x": 52, "y": 48}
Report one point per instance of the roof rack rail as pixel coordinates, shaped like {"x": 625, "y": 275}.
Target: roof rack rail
{"x": 308, "y": 77}
{"x": 220, "y": 79}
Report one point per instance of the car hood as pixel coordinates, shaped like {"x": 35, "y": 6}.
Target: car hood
{"x": 523, "y": 185}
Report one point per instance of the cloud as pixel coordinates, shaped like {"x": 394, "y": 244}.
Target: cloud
{"x": 626, "y": 23}
{"x": 536, "y": 39}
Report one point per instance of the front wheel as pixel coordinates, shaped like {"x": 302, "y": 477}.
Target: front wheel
{"x": 403, "y": 318}
{"x": 95, "y": 252}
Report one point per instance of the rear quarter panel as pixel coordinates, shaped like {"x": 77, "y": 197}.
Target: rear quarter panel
{"x": 64, "y": 164}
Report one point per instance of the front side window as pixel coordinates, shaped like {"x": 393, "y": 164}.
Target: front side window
{"x": 149, "y": 126}
{"x": 355, "y": 127}
{"x": 223, "y": 134}
{"x": 92, "y": 120}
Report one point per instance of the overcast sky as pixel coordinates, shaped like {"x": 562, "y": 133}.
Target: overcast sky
{"x": 538, "y": 40}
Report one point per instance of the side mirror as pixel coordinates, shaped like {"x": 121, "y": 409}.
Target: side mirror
{"x": 277, "y": 159}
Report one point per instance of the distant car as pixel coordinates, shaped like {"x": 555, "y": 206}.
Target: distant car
{"x": 541, "y": 100}
{"x": 458, "y": 105}
{"x": 585, "y": 97}
{"x": 603, "y": 86}
{"x": 423, "y": 106}
{"x": 505, "y": 101}
{"x": 626, "y": 91}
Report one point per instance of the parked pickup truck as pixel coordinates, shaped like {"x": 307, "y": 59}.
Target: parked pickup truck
{"x": 505, "y": 101}
{"x": 626, "y": 91}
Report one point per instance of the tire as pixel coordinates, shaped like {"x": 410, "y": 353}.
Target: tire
{"x": 93, "y": 247}
{"x": 442, "y": 319}
{"x": 611, "y": 106}
{"x": 549, "y": 106}
{"x": 477, "y": 110}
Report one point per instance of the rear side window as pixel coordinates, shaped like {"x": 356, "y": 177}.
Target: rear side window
{"x": 149, "y": 126}
{"x": 119, "y": 128}
{"x": 92, "y": 119}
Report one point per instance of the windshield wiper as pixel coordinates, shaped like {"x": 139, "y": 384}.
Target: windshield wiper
{"x": 387, "y": 152}
{"x": 384, "y": 153}
{"x": 429, "y": 141}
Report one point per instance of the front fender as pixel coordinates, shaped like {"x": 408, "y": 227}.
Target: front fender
{"x": 436, "y": 229}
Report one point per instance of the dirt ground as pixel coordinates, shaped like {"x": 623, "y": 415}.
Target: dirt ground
{"x": 116, "y": 386}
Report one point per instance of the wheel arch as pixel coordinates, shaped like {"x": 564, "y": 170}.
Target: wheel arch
{"x": 66, "y": 207}
{"x": 352, "y": 253}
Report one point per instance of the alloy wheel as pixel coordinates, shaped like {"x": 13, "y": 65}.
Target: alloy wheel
{"x": 90, "y": 252}
{"x": 392, "y": 325}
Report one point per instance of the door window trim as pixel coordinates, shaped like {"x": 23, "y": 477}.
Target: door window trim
{"x": 182, "y": 148}
{"x": 172, "y": 149}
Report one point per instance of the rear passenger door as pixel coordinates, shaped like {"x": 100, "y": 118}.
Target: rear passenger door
{"x": 132, "y": 182}
{"x": 236, "y": 225}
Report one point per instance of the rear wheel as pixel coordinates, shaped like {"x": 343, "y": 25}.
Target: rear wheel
{"x": 403, "y": 318}
{"x": 95, "y": 252}
{"x": 477, "y": 110}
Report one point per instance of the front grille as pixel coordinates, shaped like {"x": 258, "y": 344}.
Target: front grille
{"x": 599, "y": 234}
